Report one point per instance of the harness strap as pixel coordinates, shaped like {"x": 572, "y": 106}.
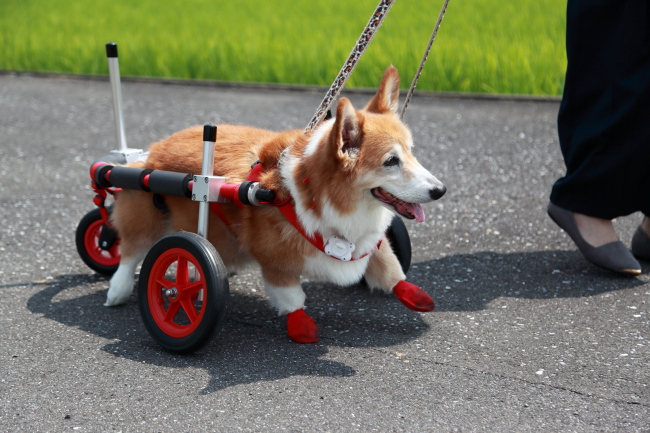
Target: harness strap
{"x": 289, "y": 211}
{"x": 256, "y": 172}
{"x": 253, "y": 176}
{"x": 216, "y": 208}
{"x": 100, "y": 200}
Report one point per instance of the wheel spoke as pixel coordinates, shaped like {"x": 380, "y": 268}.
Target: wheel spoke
{"x": 190, "y": 310}
{"x": 181, "y": 271}
{"x": 165, "y": 283}
{"x": 192, "y": 288}
{"x": 171, "y": 312}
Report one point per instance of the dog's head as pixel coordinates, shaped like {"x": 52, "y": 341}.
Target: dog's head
{"x": 372, "y": 148}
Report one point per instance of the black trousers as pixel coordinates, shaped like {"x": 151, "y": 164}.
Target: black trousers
{"x": 604, "y": 118}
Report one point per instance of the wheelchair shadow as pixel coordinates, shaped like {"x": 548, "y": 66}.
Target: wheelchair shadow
{"x": 252, "y": 345}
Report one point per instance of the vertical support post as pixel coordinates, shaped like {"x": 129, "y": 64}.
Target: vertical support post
{"x": 114, "y": 72}
{"x": 207, "y": 169}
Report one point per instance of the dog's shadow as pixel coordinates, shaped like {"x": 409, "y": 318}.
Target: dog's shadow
{"x": 252, "y": 345}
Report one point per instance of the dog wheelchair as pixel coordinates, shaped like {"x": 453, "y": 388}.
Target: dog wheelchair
{"x": 183, "y": 286}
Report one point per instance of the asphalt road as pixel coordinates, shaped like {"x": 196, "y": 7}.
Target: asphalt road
{"x": 527, "y": 335}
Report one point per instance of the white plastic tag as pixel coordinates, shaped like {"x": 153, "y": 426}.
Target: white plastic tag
{"x": 339, "y": 248}
{"x": 143, "y": 156}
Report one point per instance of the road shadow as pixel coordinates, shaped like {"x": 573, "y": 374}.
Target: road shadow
{"x": 253, "y": 346}
{"x": 468, "y": 282}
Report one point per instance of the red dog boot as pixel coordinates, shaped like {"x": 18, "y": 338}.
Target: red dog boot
{"x": 302, "y": 328}
{"x": 413, "y": 297}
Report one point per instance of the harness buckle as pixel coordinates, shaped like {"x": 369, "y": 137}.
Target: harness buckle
{"x": 339, "y": 248}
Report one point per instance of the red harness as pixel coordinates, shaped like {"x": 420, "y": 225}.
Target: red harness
{"x": 289, "y": 211}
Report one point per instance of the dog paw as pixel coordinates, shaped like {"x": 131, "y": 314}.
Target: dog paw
{"x": 413, "y": 297}
{"x": 114, "y": 302}
{"x": 302, "y": 328}
{"x": 117, "y": 297}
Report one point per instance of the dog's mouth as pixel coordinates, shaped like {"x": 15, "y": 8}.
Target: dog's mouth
{"x": 406, "y": 209}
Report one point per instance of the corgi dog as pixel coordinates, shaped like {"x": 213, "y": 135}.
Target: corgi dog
{"x": 344, "y": 179}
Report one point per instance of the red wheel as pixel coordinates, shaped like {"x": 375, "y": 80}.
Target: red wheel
{"x": 182, "y": 292}
{"x": 97, "y": 244}
{"x": 177, "y": 305}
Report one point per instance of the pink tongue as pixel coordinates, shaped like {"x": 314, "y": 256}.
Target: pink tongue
{"x": 417, "y": 211}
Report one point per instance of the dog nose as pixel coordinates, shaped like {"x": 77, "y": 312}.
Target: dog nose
{"x": 436, "y": 193}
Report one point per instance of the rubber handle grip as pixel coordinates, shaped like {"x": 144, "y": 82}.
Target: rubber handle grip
{"x": 111, "y": 49}
{"x": 210, "y": 133}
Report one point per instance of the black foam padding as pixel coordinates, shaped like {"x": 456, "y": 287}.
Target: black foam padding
{"x": 100, "y": 175}
{"x": 210, "y": 133}
{"x": 170, "y": 183}
{"x": 243, "y": 192}
{"x": 126, "y": 177}
{"x": 111, "y": 49}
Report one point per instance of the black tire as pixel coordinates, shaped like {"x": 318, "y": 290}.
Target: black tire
{"x": 173, "y": 327}
{"x": 103, "y": 261}
{"x": 400, "y": 243}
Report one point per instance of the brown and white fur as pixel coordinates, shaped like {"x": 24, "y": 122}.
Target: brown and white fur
{"x": 338, "y": 176}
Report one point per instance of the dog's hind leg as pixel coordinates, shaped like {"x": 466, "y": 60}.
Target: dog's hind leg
{"x": 385, "y": 273}
{"x": 122, "y": 281}
{"x": 139, "y": 225}
{"x": 289, "y": 299}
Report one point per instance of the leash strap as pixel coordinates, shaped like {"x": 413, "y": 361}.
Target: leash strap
{"x": 364, "y": 40}
{"x": 424, "y": 59}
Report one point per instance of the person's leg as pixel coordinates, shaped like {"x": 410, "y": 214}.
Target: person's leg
{"x": 641, "y": 240}
{"x": 603, "y": 120}
{"x": 602, "y": 124}
{"x": 645, "y": 225}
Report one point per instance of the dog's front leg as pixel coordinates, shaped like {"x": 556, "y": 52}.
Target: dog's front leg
{"x": 122, "y": 281}
{"x": 288, "y": 298}
{"x": 385, "y": 273}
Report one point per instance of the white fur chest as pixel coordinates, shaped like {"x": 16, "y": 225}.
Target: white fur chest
{"x": 324, "y": 268}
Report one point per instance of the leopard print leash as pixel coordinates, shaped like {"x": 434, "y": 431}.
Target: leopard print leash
{"x": 364, "y": 40}
{"x": 424, "y": 59}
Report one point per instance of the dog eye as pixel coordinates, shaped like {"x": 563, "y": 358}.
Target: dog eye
{"x": 391, "y": 162}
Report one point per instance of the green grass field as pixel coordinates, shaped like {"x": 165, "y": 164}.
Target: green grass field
{"x": 484, "y": 46}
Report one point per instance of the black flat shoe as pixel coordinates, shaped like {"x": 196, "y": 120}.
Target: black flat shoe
{"x": 613, "y": 256}
{"x": 641, "y": 244}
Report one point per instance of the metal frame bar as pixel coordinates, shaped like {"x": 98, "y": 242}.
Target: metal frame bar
{"x": 207, "y": 169}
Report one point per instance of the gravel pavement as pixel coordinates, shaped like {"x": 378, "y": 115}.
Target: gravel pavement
{"x": 527, "y": 335}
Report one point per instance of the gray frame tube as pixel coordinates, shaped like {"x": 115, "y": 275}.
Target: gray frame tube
{"x": 114, "y": 72}
{"x": 207, "y": 169}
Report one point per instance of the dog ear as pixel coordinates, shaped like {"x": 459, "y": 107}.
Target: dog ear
{"x": 347, "y": 131}
{"x": 387, "y": 95}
